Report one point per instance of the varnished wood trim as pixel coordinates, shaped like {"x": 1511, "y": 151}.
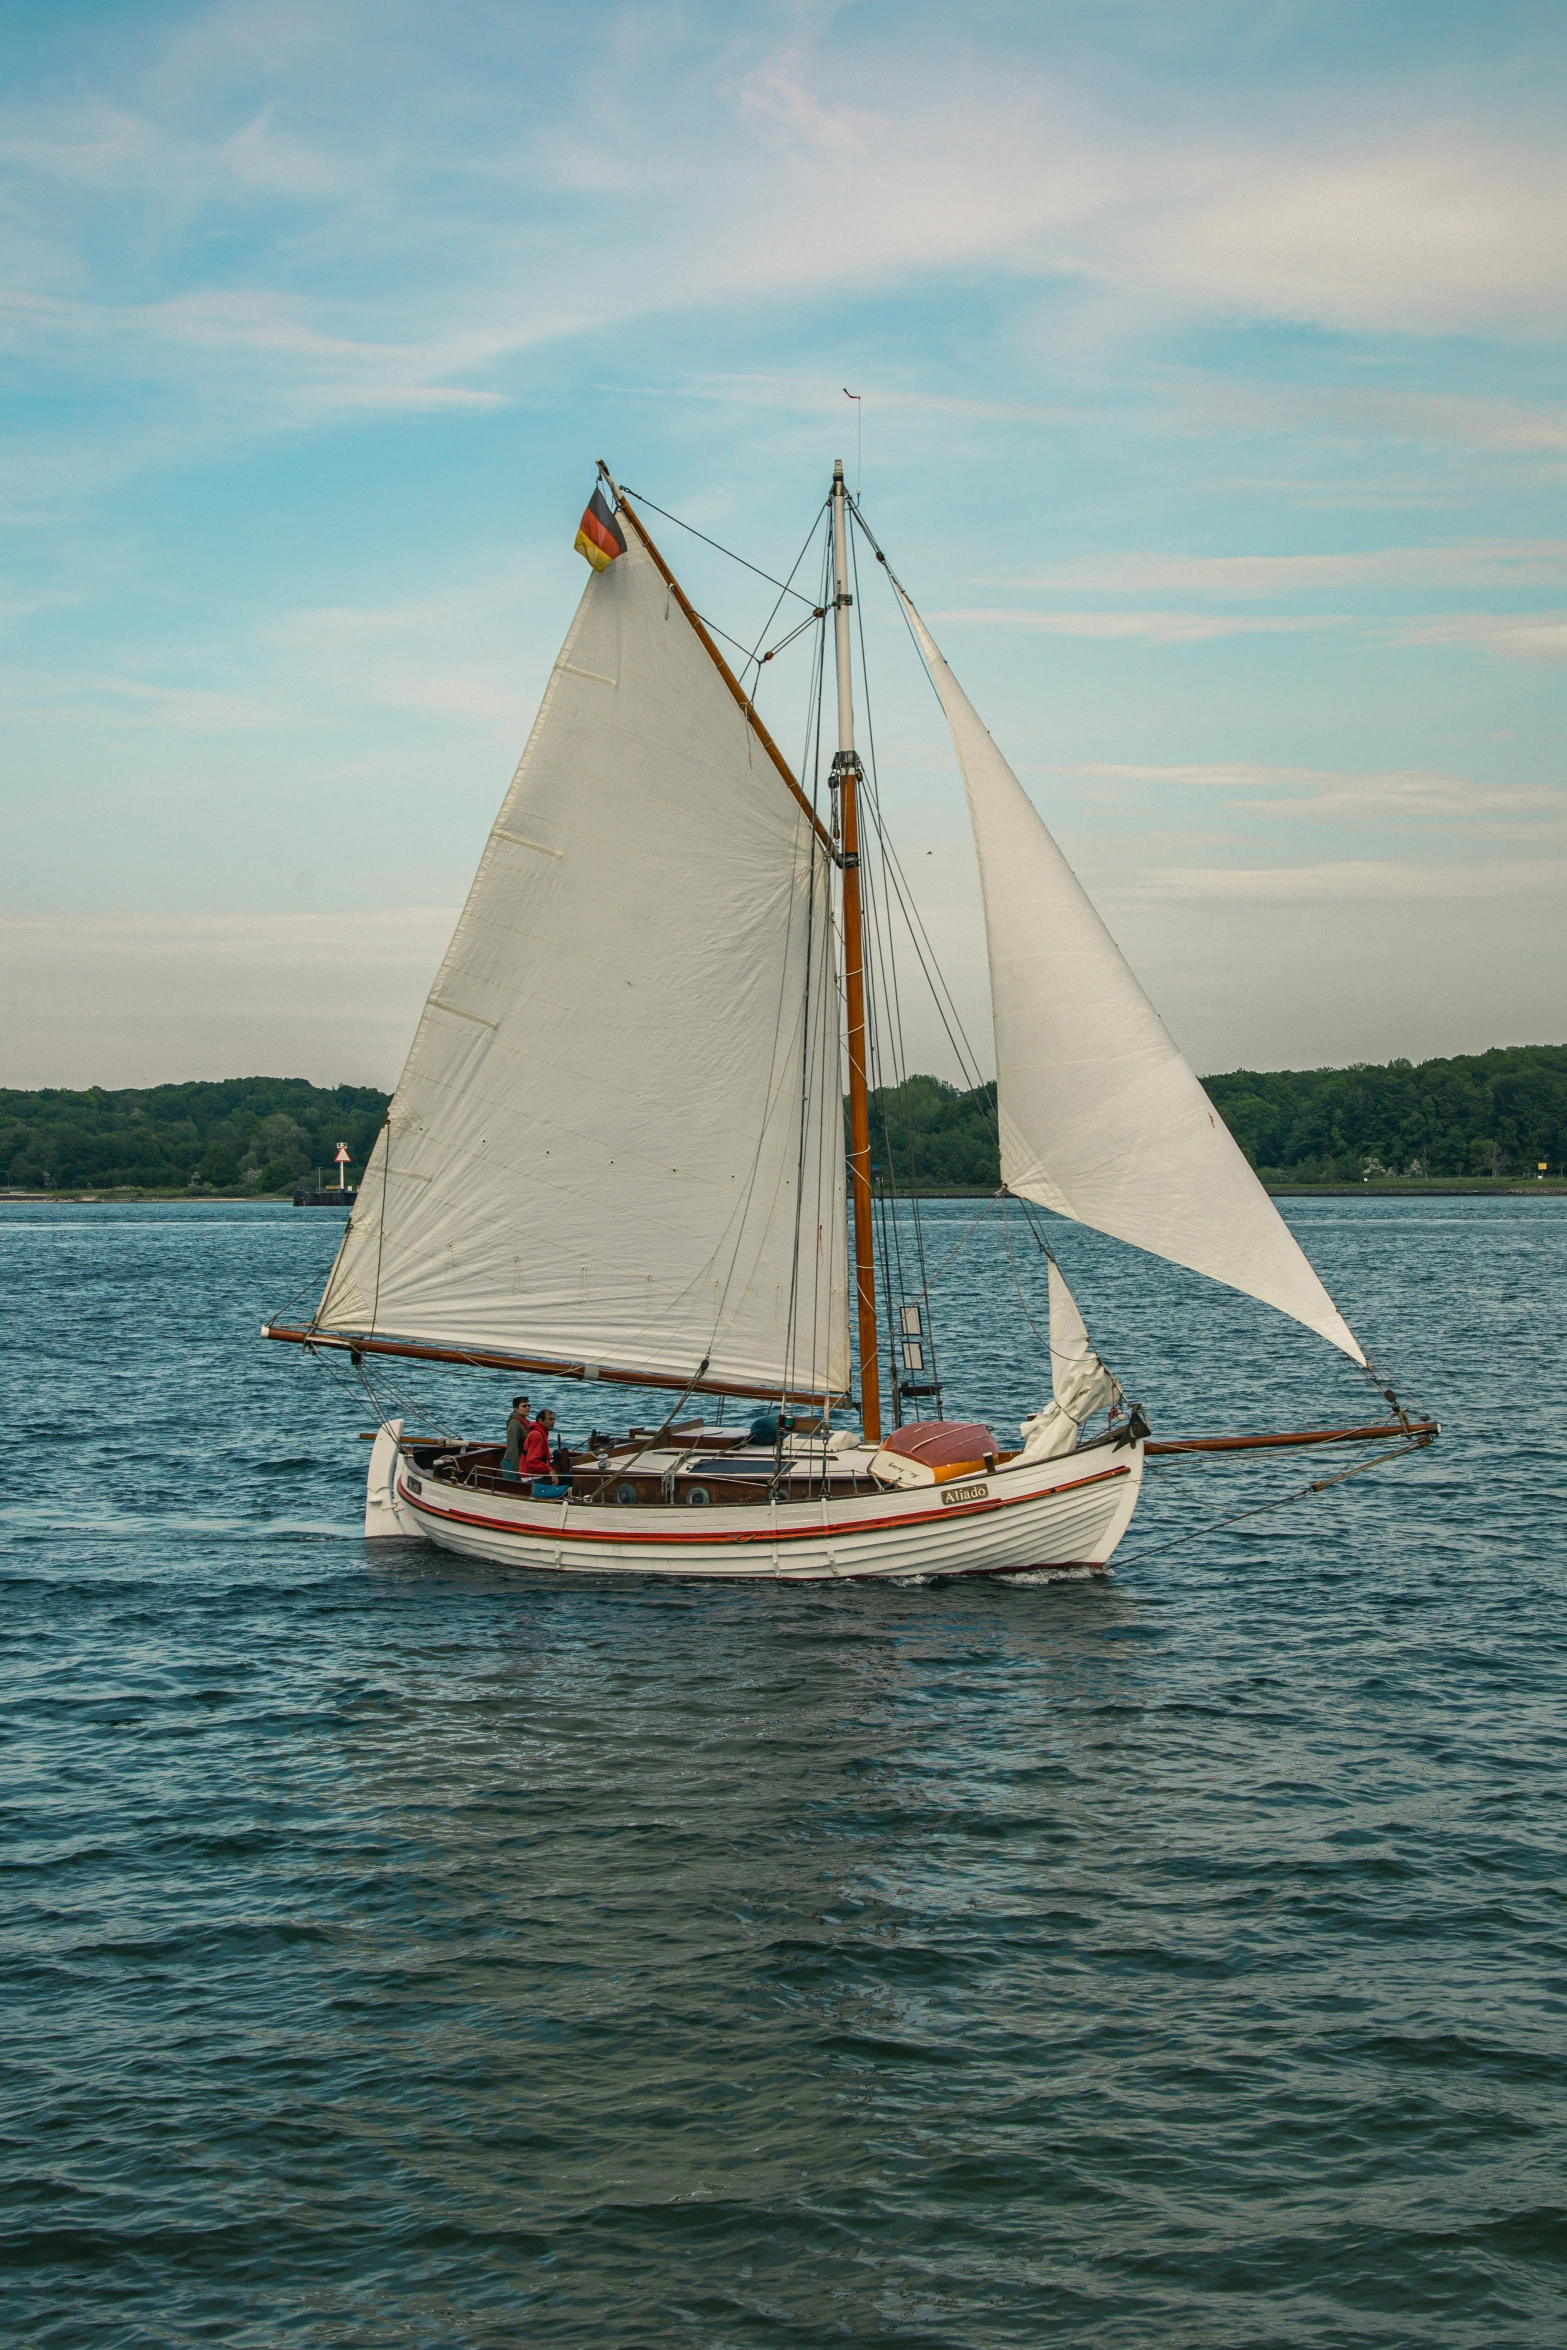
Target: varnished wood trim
{"x": 1298, "y": 1436}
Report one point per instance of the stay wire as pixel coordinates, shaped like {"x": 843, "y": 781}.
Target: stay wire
{"x": 888, "y": 1049}
{"x": 1260, "y": 1509}
{"x": 644, "y": 500}
{"x": 901, "y": 1055}
{"x": 818, "y": 611}
{"x": 946, "y": 1007}
{"x": 804, "y": 1126}
{"x": 957, "y": 1036}
{"x": 995, "y": 1199}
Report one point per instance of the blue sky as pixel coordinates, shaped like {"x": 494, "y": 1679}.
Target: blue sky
{"x": 1213, "y": 414}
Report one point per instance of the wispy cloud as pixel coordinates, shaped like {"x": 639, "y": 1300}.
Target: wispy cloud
{"x": 1510, "y": 881}
{"x": 1486, "y": 563}
{"x": 140, "y": 701}
{"x": 1373, "y": 796}
{"x": 431, "y": 252}
{"x": 1375, "y": 413}
{"x": 1514, "y": 636}
{"x": 1156, "y": 628}
{"x": 1121, "y": 288}
{"x": 1517, "y": 636}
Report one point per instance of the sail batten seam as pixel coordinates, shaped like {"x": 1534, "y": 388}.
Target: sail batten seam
{"x": 522, "y": 841}
{"x": 439, "y": 1004}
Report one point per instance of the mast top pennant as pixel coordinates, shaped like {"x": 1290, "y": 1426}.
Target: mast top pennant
{"x": 599, "y": 536}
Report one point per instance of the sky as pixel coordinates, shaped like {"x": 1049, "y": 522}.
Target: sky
{"x": 1212, "y": 413}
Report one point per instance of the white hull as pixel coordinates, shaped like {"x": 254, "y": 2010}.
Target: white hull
{"x": 1063, "y": 1513}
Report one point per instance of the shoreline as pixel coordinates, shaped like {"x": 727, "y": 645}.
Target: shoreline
{"x": 1435, "y": 1187}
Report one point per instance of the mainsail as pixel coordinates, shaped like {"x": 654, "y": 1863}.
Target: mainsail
{"x": 1100, "y": 1116}
{"x": 617, "y": 1140}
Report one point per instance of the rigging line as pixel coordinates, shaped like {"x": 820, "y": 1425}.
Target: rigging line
{"x": 811, "y": 750}
{"x": 876, "y": 546}
{"x": 643, "y": 499}
{"x": 1056, "y": 1353}
{"x": 885, "y": 1044}
{"x": 784, "y": 642}
{"x": 876, "y": 995}
{"x": 750, "y": 655}
{"x": 901, "y": 1056}
{"x": 935, "y": 979}
{"x": 405, "y": 1403}
{"x": 941, "y": 993}
{"x": 890, "y": 1047}
{"x": 1006, "y": 1227}
{"x": 966, "y": 1057}
{"x": 772, "y": 1098}
{"x": 384, "y": 1137}
{"x": 744, "y": 1206}
{"x": 829, "y": 1072}
{"x": 316, "y": 1281}
{"x": 1261, "y": 1508}
{"x": 967, "y": 1231}
{"x": 818, "y": 611}
{"x": 791, "y": 1333}
{"x": 380, "y": 1232}
{"x": 350, "y": 1379}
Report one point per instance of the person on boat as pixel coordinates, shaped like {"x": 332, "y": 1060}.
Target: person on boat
{"x": 767, "y": 1427}
{"x": 516, "y": 1430}
{"x": 535, "y": 1457}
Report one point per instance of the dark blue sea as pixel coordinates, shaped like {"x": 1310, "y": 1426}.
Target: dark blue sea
{"x": 401, "y": 1954}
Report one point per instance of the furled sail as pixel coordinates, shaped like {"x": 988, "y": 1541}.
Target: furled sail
{"x": 1080, "y": 1384}
{"x": 1100, "y": 1116}
{"x": 617, "y": 1139}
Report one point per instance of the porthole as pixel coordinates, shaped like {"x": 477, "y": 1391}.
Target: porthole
{"x": 698, "y": 1496}
{"x": 626, "y": 1494}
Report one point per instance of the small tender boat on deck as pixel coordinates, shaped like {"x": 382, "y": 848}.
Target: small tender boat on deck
{"x": 616, "y": 1152}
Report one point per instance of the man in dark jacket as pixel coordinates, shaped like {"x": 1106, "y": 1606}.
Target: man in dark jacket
{"x": 516, "y": 1431}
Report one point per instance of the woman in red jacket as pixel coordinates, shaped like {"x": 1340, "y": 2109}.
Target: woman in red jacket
{"x": 534, "y": 1460}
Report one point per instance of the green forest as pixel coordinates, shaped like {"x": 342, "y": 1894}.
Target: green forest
{"x": 1494, "y": 1114}
{"x": 1491, "y": 1114}
{"x": 256, "y": 1134}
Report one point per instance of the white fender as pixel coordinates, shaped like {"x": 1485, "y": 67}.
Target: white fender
{"x": 386, "y": 1518}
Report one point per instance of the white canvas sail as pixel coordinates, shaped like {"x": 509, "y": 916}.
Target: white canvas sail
{"x": 617, "y": 1139}
{"x": 1080, "y": 1384}
{"x": 1101, "y": 1119}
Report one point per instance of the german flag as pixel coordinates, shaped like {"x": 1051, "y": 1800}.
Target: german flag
{"x": 600, "y": 537}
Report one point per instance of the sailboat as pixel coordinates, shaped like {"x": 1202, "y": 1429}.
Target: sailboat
{"x": 616, "y": 1154}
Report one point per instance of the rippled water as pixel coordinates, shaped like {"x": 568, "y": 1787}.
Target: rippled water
{"x": 402, "y": 1954}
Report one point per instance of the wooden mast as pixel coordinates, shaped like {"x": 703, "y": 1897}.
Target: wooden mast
{"x": 846, "y": 774}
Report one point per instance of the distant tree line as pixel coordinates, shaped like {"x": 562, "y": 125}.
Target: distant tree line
{"x": 256, "y": 1134}
{"x": 1497, "y": 1113}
